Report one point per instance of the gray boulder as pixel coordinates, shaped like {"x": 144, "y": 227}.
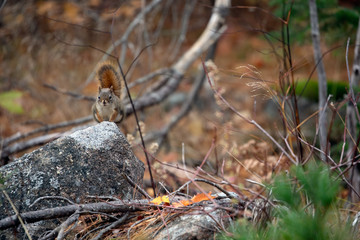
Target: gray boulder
{"x": 196, "y": 225}
{"x": 88, "y": 162}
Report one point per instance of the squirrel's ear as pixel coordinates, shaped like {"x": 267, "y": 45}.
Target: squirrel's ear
{"x": 112, "y": 88}
{"x": 99, "y": 89}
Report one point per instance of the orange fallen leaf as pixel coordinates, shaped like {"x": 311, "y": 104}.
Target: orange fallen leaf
{"x": 197, "y": 198}
{"x": 186, "y": 202}
{"x": 202, "y": 197}
{"x": 182, "y": 203}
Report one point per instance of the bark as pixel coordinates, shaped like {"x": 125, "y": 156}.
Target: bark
{"x": 351, "y": 120}
{"x": 315, "y": 34}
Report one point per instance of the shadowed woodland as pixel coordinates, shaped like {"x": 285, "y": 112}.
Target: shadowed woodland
{"x": 248, "y": 108}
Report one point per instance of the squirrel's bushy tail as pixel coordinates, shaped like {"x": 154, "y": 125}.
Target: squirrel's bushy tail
{"x": 108, "y": 76}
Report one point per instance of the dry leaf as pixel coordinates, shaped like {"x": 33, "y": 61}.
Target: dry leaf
{"x": 161, "y": 200}
{"x": 182, "y": 203}
{"x": 202, "y": 197}
{"x": 197, "y": 198}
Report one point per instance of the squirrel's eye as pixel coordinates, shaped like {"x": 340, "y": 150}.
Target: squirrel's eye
{"x": 99, "y": 98}
{"x": 110, "y": 97}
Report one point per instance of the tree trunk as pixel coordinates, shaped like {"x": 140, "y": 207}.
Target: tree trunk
{"x": 351, "y": 121}
{"x": 315, "y": 34}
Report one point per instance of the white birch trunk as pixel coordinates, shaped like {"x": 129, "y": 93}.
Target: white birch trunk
{"x": 354, "y": 177}
{"x": 315, "y": 34}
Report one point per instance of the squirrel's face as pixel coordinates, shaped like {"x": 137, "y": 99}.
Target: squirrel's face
{"x": 105, "y": 96}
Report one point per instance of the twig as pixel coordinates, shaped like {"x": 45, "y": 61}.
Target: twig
{"x": 17, "y": 214}
{"x": 77, "y": 25}
{"x": 213, "y": 31}
{"x": 164, "y": 187}
{"x": 210, "y": 35}
{"x": 253, "y": 122}
{"x": 144, "y": 79}
{"x": 138, "y": 126}
{"x": 138, "y": 222}
{"x": 51, "y": 197}
{"x": 18, "y": 136}
{"x": 112, "y": 226}
{"x": 94, "y": 230}
{"x": 136, "y": 186}
{"x": 103, "y": 197}
{"x": 189, "y": 7}
{"x": 61, "y": 235}
{"x": 69, "y": 93}
{"x": 125, "y": 36}
{"x": 51, "y": 213}
{"x": 2, "y": 4}
{"x": 123, "y": 206}
{"x": 186, "y": 107}
{"x": 351, "y": 109}
{"x": 18, "y": 147}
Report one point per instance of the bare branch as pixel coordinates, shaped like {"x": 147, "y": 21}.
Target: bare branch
{"x": 51, "y": 197}
{"x": 69, "y": 93}
{"x": 17, "y": 215}
{"x": 189, "y": 7}
{"x": 37, "y": 141}
{"x": 135, "y": 186}
{"x": 18, "y": 136}
{"x": 40, "y": 140}
{"x": 125, "y": 36}
{"x": 144, "y": 79}
{"x": 163, "y": 88}
{"x": 63, "y": 227}
{"x": 124, "y": 206}
{"x": 213, "y": 31}
{"x": 112, "y": 226}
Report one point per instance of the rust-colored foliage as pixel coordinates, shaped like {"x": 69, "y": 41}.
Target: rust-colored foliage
{"x": 164, "y": 200}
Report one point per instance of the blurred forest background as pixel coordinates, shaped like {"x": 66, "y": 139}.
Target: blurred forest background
{"x": 60, "y": 43}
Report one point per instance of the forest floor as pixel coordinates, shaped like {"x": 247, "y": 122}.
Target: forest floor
{"x": 32, "y": 54}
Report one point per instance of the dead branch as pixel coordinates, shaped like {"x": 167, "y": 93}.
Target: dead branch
{"x": 123, "y": 206}
{"x": 212, "y": 32}
{"x": 125, "y": 36}
{"x": 138, "y": 222}
{"x": 253, "y": 122}
{"x": 58, "y": 212}
{"x": 69, "y": 93}
{"x": 135, "y": 186}
{"x": 189, "y": 7}
{"x": 62, "y": 228}
{"x": 112, "y": 226}
{"x": 37, "y": 141}
{"x": 18, "y": 136}
{"x": 40, "y": 140}
{"x": 186, "y": 107}
{"x": 144, "y": 79}
{"x": 159, "y": 91}
{"x": 17, "y": 215}
{"x": 61, "y": 198}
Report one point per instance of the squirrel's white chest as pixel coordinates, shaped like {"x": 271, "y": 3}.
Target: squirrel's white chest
{"x": 105, "y": 111}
